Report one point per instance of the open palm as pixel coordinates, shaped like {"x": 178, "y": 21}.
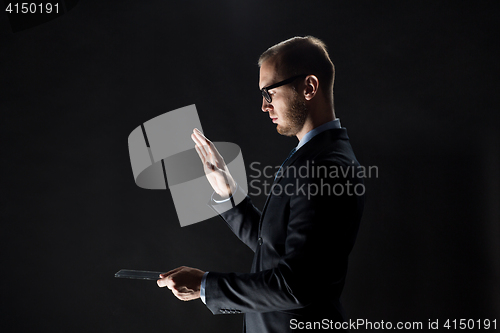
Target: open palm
{"x": 214, "y": 166}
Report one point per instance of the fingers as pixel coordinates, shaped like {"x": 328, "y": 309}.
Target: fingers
{"x": 166, "y": 281}
{"x": 181, "y": 281}
{"x": 166, "y": 278}
{"x": 201, "y": 155}
{"x": 200, "y": 135}
{"x": 172, "y": 271}
{"x": 201, "y": 142}
{"x": 203, "y": 147}
{"x": 208, "y": 148}
{"x": 207, "y": 165}
{"x": 202, "y": 150}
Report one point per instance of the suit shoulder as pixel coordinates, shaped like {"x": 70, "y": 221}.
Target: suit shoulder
{"x": 337, "y": 153}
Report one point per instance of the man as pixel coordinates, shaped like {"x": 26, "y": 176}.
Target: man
{"x": 308, "y": 225}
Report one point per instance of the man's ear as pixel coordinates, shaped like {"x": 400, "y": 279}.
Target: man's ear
{"x": 311, "y": 87}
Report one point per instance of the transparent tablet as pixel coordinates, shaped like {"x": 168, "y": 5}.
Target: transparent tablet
{"x": 140, "y": 275}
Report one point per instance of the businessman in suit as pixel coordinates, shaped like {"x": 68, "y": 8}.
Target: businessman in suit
{"x": 308, "y": 225}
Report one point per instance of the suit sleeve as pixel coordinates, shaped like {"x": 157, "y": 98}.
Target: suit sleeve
{"x": 320, "y": 234}
{"x": 242, "y": 219}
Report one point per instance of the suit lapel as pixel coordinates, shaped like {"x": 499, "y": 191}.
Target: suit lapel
{"x": 316, "y": 143}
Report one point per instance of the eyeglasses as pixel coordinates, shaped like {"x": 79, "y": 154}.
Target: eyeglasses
{"x": 265, "y": 90}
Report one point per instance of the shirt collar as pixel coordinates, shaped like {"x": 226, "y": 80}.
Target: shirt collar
{"x": 315, "y": 131}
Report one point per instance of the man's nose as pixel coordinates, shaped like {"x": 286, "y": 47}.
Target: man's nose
{"x": 266, "y": 106}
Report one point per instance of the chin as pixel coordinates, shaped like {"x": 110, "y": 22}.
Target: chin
{"x": 286, "y": 131}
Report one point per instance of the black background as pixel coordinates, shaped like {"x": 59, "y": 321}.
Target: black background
{"x": 416, "y": 87}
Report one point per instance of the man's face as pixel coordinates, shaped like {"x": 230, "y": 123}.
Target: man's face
{"x": 287, "y": 109}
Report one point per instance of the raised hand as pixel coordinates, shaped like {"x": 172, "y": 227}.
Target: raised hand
{"x": 214, "y": 166}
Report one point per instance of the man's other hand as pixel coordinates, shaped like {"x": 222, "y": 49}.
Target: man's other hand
{"x": 214, "y": 166}
{"x": 184, "y": 282}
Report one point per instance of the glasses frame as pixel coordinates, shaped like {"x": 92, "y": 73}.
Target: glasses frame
{"x": 265, "y": 90}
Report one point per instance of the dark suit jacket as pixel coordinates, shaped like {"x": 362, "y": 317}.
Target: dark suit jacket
{"x": 301, "y": 241}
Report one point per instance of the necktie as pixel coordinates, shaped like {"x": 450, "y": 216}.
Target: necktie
{"x": 281, "y": 167}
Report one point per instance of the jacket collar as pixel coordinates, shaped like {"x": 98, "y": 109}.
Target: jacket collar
{"x": 315, "y": 144}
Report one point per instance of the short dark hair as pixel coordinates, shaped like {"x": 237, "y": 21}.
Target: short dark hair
{"x": 303, "y": 55}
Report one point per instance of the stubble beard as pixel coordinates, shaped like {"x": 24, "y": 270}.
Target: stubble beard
{"x": 295, "y": 117}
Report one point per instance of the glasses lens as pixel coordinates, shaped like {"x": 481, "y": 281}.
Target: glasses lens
{"x": 266, "y": 95}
